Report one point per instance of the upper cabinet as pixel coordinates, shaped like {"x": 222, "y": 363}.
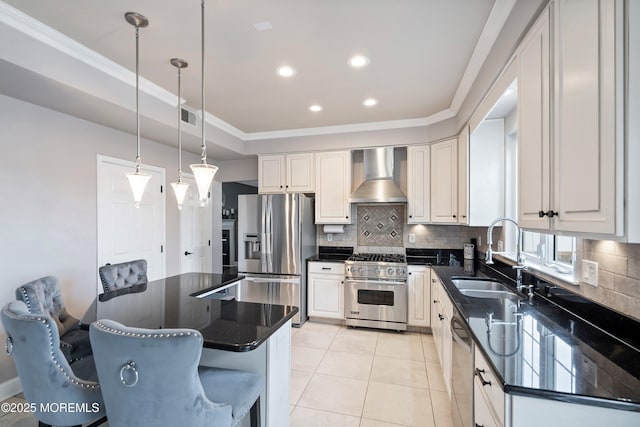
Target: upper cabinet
{"x": 333, "y": 187}
{"x": 444, "y": 182}
{"x": 567, "y": 169}
{"x": 533, "y": 126}
{"x": 463, "y": 176}
{"x": 418, "y": 184}
{"x": 290, "y": 173}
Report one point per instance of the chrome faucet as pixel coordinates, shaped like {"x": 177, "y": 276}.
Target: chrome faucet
{"x": 488, "y": 259}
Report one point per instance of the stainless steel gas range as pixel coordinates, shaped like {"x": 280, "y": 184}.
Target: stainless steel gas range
{"x": 376, "y": 291}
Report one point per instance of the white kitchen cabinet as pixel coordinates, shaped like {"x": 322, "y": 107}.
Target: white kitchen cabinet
{"x": 286, "y": 173}
{"x": 419, "y": 295}
{"x": 325, "y": 290}
{"x": 442, "y": 312}
{"x": 533, "y": 125}
{"x": 333, "y": 187}
{"x": 444, "y": 182}
{"x": 567, "y": 170}
{"x": 418, "y": 184}
{"x": 463, "y": 176}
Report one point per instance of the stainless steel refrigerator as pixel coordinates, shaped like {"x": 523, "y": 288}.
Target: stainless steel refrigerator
{"x": 276, "y": 235}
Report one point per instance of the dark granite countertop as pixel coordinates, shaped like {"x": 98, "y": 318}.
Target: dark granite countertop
{"x": 332, "y": 254}
{"x": 549, "y": 352}
{"x": 178, "y": 302}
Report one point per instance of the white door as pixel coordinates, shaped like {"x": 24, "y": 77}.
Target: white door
{"x": 125, "y": 232}
{"x": 195, "y": 232}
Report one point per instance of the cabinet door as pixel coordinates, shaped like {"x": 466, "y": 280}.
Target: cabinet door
{"x": 447, "y": 342}
{"x": 482, "y": 415}
{"x": 533, "y": 126}
{"x": 300, "y": 173}
{"x": 444, "y": 182}
{"x": 326, "y": 296}
{"x": 463, "y": 176}
{"x": 271, "y": 174}
{"x": 333, "y": 187}
{"x": 418, "y": 184}
{"x": 585, "y": 115}
{"x": 419, "y": 296}
{"x": 436, "y": 324}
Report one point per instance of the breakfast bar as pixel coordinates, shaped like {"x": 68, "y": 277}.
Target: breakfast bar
{"x": 237, "y": 335}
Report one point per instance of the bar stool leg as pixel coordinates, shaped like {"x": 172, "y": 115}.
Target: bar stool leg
{"x": 255, "y": 413}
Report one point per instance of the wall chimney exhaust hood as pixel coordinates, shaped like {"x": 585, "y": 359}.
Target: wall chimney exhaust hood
{"x": 378, "y": 185}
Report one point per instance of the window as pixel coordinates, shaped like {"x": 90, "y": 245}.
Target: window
{"x": 557, "y": 252}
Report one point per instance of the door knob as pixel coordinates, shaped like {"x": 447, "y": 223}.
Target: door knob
{"x": 187, "y": 253}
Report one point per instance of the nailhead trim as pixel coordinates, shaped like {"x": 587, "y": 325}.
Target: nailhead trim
{"x": 73, "y": 380}
{"x": 146, "y": 335}
{"x": 26, "y": 298}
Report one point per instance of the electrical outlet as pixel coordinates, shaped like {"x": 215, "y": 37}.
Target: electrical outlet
{"x": 412, "y": 238}
{"x": 329, "y": 237}
{"x": 590, "y": 272}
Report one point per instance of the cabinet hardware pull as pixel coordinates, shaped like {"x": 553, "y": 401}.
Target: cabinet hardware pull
{"x": 435, "y": 301}
{"x": 410, "y": 216}
{"x": 549, "y": 213}
{"x": 440, "y": 316}
{"x": 479, "y": 373}
{"x": 281, "y": 186}
{"x": 478, "y": 425}
{"x": 454, "y": 216}
{"x": 326, "y": 268}
{"x": 464, "y": 216}
{"x": 347, "y": 216}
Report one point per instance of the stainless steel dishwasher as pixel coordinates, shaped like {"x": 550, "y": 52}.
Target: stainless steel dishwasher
{"x": 461, "y": 372}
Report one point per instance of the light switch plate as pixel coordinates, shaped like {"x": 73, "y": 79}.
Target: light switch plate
{"x": 329, "y": 237}
{"x": 412, "y": 238}
{"x": 590, "y": 272}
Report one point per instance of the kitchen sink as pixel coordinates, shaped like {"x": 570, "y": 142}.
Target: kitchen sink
{"x": 477, "y": 288}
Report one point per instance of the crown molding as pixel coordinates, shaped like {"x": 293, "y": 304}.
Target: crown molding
{"x": 36, "y": 30}
{"x": 63, "y": 44}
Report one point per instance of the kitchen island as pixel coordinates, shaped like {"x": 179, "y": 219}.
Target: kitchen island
{"x": 237, "y": 335}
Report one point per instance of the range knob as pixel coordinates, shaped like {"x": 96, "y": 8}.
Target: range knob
{"x": 390, "y": 271}
{"x": 400, "y": 271}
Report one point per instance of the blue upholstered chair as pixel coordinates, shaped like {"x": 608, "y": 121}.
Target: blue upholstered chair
{"x": 47, "y": 379}
{"x": 123, "y": 275}
{"x": 43, "y": 297}
{"x": 150, "y": 377}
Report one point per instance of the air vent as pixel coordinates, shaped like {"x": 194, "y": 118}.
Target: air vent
{"x": 188, "y": 117}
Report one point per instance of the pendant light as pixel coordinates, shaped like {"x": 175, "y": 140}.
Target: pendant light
{"x": 202, "y": 171}
{"x": 179, "y": 188}
{"x": 138, "y": 180}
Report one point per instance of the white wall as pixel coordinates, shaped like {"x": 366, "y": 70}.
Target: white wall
{"x": 48, "y": 195}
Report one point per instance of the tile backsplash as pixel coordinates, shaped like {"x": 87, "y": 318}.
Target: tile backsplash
{"x": 618, "y": 275}
{"x": 380, "y": 225}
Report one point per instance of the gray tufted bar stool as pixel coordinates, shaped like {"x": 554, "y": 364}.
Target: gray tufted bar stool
{"x": 47, "y": 379}
{"x": 150, "y": 377}
{"x": 43, "y": 297}
{"x": 116, "y": 277}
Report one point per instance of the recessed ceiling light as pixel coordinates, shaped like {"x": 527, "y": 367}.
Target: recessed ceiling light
{"x": 370, "y": 102}
{"x": 358, "y": 61}
{"x": 315, "y": 108}
{"x": 286, "y": 71}
{"x": 262, "y": 26}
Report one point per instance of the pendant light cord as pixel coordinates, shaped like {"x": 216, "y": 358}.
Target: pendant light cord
{"x": 138, "y": 161}
{"x": 179, "y": 130}
{"x": 203, "y": 156}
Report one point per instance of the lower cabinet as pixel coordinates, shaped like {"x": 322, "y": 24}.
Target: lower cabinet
{"x": 325, "y": 290}
{"x": 441, "y": 313}
{"x": 419, "y": 295}
{"x": 488, "y": 397}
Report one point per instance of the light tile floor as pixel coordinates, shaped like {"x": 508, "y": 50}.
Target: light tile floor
{"x": 342, "y": 377}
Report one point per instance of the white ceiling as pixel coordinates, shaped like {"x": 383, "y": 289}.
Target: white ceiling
{"x": 419, "y": 50}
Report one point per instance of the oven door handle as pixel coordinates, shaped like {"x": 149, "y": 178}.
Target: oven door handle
{"x": 456, "y": 336}
{"x": 377, "y": 282}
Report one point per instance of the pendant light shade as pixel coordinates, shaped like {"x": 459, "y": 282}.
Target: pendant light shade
{"x": 202, "y": 171}
{"x": 137, "y": 180}
{"x": 179, "y": 188}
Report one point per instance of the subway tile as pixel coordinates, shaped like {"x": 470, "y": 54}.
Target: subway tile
{"x": 627, "y": 285}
